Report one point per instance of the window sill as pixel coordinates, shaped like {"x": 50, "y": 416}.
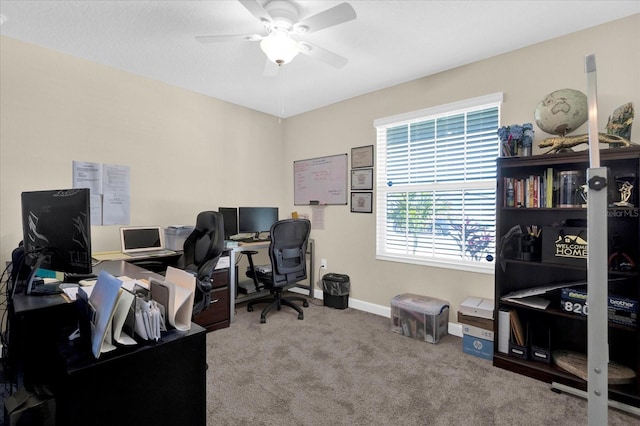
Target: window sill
{"x": 484, "y": 268}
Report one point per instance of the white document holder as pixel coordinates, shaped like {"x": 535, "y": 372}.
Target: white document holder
{"x": 123, "y": 312}
{"x": 176, "y": 293}
{"x": 102, "y": 303}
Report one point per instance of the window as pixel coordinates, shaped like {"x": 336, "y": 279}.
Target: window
{"x": 436, "y": 184}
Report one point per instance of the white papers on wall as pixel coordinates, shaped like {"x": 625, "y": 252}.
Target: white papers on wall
{"x": 116, "y": 195}
{"x": 88, "y": 175}
{"x": 317, "y": 217}
{"x": 110, "y": 191}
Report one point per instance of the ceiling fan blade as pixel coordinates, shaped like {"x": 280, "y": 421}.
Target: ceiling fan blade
{"x": 257, "y": 10}
{"x": 323, "y": 55}
{"x": 271, "y": 69}
{"x": 330, "y": 17}
{"x": 226, "y": 38}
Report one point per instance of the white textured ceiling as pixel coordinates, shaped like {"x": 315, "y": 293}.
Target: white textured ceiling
{"x": 390, "y": 42}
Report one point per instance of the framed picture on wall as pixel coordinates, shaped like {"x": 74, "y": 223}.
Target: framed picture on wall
{"x": 362, "y": 179}
{"x": 361, "y": 202}
{"x": 362, "y": 156}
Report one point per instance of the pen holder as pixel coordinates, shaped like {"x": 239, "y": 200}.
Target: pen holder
{"x": 529, "y": 247}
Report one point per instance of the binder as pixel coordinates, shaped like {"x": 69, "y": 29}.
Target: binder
{"x": 102, "y": 304}
{"x": 504, "y": 327}
{"x": 176, "y": 293}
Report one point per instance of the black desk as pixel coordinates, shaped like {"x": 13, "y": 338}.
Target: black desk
{"x": 154, "y": 262}
{"x": 161, "y": 383}
{"x": 156, "y": 383}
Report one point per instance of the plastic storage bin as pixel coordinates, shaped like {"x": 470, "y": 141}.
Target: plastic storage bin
{"x": 335, "y": 289}
{"x": 175, "y": 236}
{"x": 421, "y": 317}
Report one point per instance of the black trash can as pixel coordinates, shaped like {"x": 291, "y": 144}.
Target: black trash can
{"x": 336, "y": 290}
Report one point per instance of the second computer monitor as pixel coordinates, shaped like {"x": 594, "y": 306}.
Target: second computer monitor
{"x": 230, "y": 219}
{"x": 256, "y": 219}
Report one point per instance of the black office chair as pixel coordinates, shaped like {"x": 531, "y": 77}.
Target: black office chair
{"x": 202, "y": 249}
{"x": 287, "y": 252}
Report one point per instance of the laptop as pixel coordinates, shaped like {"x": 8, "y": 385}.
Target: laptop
{"x": 143, "y": 241}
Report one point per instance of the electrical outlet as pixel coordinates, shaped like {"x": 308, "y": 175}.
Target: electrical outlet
{"x": 323, "y": 263}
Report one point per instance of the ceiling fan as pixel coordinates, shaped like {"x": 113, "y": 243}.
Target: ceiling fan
{"x": 281, "y": 22}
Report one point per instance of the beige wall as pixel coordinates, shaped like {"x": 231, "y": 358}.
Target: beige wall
{"x": 184, "y": 148}
{"x": 524, "y": 76}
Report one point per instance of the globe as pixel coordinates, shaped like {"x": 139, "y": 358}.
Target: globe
{"x": 561, "y": 112}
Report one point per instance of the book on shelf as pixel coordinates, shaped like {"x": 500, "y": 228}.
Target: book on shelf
{"x": 534, "y": 191}
{"x": 548, "y": 185}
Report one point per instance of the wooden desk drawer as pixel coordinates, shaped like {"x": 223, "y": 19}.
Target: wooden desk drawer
{"x": 220, "y": 278}
{"x": 217, "y": 315}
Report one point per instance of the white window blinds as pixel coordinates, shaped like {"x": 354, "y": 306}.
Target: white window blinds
{"x": 435, "y": 187}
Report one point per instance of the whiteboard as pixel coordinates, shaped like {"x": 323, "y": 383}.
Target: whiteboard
{"x": 321, "y": 180}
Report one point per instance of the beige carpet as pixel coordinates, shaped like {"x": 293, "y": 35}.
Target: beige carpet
{"x": 345, "y": 367}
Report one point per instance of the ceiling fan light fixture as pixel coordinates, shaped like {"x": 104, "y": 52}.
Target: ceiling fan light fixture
{"x": 279, "y": 47}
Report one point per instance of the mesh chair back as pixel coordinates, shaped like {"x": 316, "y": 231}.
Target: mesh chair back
{"x": 289, "y": 238}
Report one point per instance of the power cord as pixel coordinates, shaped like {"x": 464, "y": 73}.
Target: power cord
{"x": 319, "y": 281}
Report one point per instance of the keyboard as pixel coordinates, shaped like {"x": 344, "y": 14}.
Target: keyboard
{"x": 151, "y": 253}
{"x": 242, "y": 237}
{"x": 251, "y": 240}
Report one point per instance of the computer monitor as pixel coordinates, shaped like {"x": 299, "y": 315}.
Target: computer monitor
{"x": 230, "y": 219}
{"x": 56, "y": 231}
{"x": 256, "y": 219}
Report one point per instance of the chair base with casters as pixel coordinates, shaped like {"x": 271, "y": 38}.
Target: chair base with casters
{"x": 276, "y": 301}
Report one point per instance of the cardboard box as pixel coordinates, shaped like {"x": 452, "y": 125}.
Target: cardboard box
{"x": 476, "y": 346}
{"x": 421, "y": 317}
{"x": 621, "y": 310}
{"x": 478, "y": 332}
{"x": 478, "y": 307}
{"x": 485, "y": 323}
{"x": 567, "y": 245}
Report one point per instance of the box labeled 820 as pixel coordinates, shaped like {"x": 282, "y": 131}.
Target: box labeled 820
{"x": 620, "y": 310}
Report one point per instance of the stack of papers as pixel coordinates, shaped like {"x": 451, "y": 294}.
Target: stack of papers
{"x": 530, "y": 297}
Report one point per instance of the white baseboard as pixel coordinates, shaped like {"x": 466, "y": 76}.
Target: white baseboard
{"x": 454, "y": 329}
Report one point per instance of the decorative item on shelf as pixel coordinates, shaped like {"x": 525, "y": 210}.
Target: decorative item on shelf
{"x": 618, "y": 259}
{"x": 584, "y": 194}
{"x": 571, "y": 193}
{"x": 620, "y": 121}
{"x": 562, "y": 144}
{"x": 562, "y": 111}
{"x": 626, "y": 184}
{"x": 576, "y": 363}
{"x": 516, "y": 140}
